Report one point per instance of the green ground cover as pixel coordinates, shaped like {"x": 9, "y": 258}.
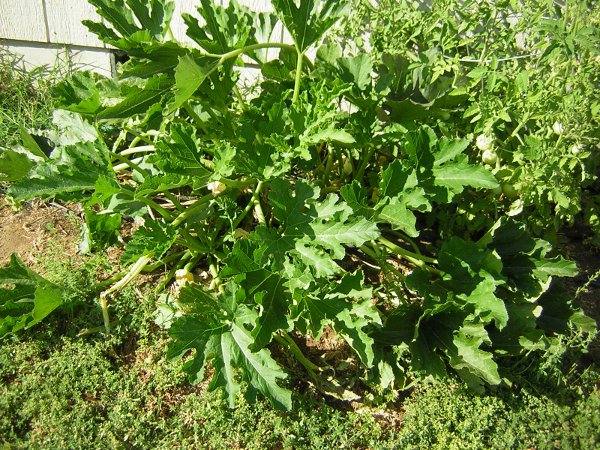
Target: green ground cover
{"x": 61, "y": 390}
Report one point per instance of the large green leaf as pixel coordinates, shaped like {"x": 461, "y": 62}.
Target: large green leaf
{"x": 475, "y": 365}
{"x": 318, "y": 230}
{"x": 153, "y": 15}
{"x": 400, "y": 194}
{"x": 138, "y": 100}
{"x": 74, "y": 166}
{"x": 399, "y": 216}
{"x": 263, "y": 287}
{"x": 308, "y": 20}
{"x": 189, "y": 75}
{"x": 100, "y": 230}
{"x": 524, "y": 259}
{"x": 117, "y": 14}
{"x": 25, "y": 297}
{"x": 182, "y": 153}
{"x": 15, "y": 164}
{"x": 335, "y": 303}
{"x": 215, "y": 328}
{"x": 356, "y": 197}
{"x": 155, "y": 239}
{"x": 129, "y": 17}
{"x": 79, "y": 93}
{"x": 459, "y": 174}
{"x": 271, "y": 293}
{"x": 225, "y": 29}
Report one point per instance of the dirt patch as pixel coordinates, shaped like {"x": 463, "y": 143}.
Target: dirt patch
{"x": 28, "y": 230}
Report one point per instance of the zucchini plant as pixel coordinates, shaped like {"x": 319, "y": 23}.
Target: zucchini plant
{"x": 305, "y": 198}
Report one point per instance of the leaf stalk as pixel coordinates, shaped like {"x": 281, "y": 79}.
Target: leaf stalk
{"x": 298, "y": 77}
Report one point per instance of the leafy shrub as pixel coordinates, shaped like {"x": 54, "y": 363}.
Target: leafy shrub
{"x": 317, "y": 203}
{"x": 521, "y": 75}
{"x": 26, "y": 101}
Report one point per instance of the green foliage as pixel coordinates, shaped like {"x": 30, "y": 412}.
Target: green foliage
{"x": 70, "y": 393}
{"x": 309, "y": 20}
{"x": 524, "y": 72}
{"x": 414, "y": 264}
{"x": 26, "y": 103}
{"x": 27, "y": 298}
{"x": 523, "y": 418}
{"x": 218, "y": 334}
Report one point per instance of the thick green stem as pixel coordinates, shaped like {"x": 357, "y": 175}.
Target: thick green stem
{"x": 366, "y": 250}
{"x": 121, "y": 167}
{"x": 174, "y": 200}
{"x": 120, "y": 138}
{"x": 298, "y": 77}
{"x": 152, "y": 204}
{"x": 196, "y": 207}
{"x": 215, "y": 284}
{"x": 143, "y": 136}
{"x": 385, "y": 266}
{"x": 238, "y": 184}
{"x": 237, "y": 52}
{"x": 164, "y": 261}
{"x": 405, "y": 238}
{"x": 99, "y": 287}
{"x": 127, "y": 163}
{"x": 406, "y": 253}
{"x": 328, "y": 167}
{"x": 251, "y": 203}
{"x": 134, "y": 271}
{"x": 380, "y": 257}
{"x": 285, "y": 340}
{"x": 361, "y": 170}
{"x": 260, "y": 215}
{"x": 240, "y": 99}
{"x": 105, "y": 316}
{"x": 163, "y": 283}
{"x": 140, "y": 149}
{"x": 418, "y": 260}
{"x": 135, "y": 141}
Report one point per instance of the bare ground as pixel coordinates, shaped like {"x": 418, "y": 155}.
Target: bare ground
{"x": 28, "y": 231}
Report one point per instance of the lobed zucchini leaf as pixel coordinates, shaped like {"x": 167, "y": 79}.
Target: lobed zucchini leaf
{"x": 25, "y": 297}
{"x": 215, "y": 329}
{"x": 308, "y": 20}
{"x": 79, "y": 159}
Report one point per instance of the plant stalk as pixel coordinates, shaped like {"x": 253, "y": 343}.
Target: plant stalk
{"x": 191, "y": 210}
{"x": 152, "y": 204}
{"x": 251, "y": 203}
{"x": 298, "y": 77}
{"x": 418, "y": 260}
{"x": 140, "y": 149}
{"x": 240, "y": 99}
{"x": 134, "y": 271}
{"x": 361, "y": 170}
{"x": 285, "y": 340}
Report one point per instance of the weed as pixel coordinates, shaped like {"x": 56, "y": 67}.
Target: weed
{"x": 26, "y": 100}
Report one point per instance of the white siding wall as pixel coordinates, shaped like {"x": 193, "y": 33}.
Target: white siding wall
{"x": 50, "y": 33}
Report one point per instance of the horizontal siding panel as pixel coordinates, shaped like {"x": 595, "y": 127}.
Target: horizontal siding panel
{"x": 64, "y": 22}
{"x": 64, "y": 59}
{"x": 22, "y": 20}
